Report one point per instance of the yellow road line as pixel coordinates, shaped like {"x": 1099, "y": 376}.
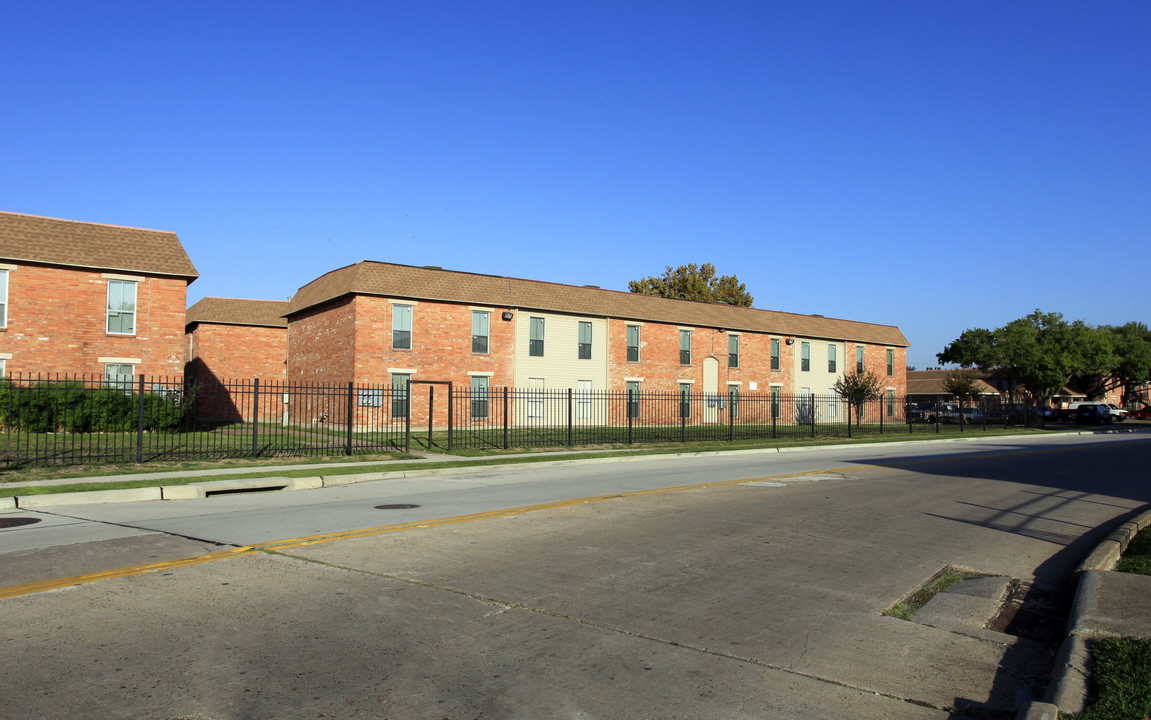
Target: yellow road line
{"x": 279, "y": 545}
{"x": 43, "y": 586}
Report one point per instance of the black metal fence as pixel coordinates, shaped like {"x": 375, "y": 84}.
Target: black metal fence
{"x": 80, "y": 419}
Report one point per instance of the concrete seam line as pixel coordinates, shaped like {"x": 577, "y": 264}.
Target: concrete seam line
{"x": 511, "y": 605}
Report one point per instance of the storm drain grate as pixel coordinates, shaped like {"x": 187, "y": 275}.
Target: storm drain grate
{"x": 17, "y": 522}
{"x": 1035, "y": 611}
{"x": 397, "y": 506}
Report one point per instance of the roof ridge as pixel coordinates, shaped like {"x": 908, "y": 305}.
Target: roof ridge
{"x": 85, "y": 222}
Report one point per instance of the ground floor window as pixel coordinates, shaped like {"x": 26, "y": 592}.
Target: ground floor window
{"x": 401, "y": 383}
{"x": 480, "y": 397}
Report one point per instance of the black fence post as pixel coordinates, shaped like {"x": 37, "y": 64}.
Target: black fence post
{"x": 140, "y": 421}
{"x": 505, "y": 417}
{"x": 630, "y": 414}
{"x": 407, "y": 406}
{"x": 569, "y": 416}
{"x": 431, "y": 413}
{"x": 881, "y": 409}
{"x": 255, "y": 417}
{"x": 348, "y": 434}
{"x": 451, "y": 416}
{"x": 811, "y": 412}
{"x": 730, "y": 416}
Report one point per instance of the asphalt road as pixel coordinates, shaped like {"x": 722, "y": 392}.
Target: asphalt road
{"x": 738, "y": 586}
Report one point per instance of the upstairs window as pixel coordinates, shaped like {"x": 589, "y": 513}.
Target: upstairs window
{"x": 733, "y": 351}
{"x": 859, "y": 359}
{"x": 685, "y": 347}
{"x": 805, "y": 356}
{"x": 481, "y": 324}
{"x": 831, "y": 359}
{"x": 890, "y": 362}
{"x": 536, "y": 337}
{"x": 122, "y": 307}
{"x": 3, "y": 298}
{"x": 775, "y": 353}
{"x": 585, "y": 340}
{"x": 401, "y": 327}
{"x": 633, "y": 343}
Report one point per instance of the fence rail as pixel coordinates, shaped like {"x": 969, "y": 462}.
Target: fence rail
{"x": 81, "y": 419}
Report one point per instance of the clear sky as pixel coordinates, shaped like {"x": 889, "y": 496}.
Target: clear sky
{"x": 931, "y": 165}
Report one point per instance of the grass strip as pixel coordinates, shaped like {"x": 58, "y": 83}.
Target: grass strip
{"x": 344, "y": 466}
{"x": 1120, "y": 683}
{"x": 1137, "y": 557}
{"x": 943, "y": 580}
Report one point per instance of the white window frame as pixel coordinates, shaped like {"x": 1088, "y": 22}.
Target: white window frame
{"x": 109, "y": 310}
{"x": 4, "y": 281}
{"x": 532, "y": 325}
{"x": 399, "y": 311}
{"x": 583, "y": 349}
{"x": 117, "y": 380}
{"x": 485, "y": 318}
{"x": 629, "y": 344}
{"x": 481, "y": 397}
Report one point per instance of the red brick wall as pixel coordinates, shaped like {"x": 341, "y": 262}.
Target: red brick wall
{"x": 659, "y": 359}
{"x": 57, "y": 323}
{"x": 238, "y": 352}
{"x": 322, "y": 342}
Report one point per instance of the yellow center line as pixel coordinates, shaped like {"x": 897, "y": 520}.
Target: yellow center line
{"x": 279, "y": 545}
{"x": 46, "y": 585}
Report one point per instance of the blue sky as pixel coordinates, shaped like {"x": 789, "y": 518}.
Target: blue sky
{"x": 931, "y": 165}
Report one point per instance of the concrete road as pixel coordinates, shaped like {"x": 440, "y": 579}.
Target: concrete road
{"x": 748, "y": 586}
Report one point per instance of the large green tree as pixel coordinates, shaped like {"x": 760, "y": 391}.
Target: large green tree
{"x": 692, "y": 282}
{"x": 1042, "y": 351}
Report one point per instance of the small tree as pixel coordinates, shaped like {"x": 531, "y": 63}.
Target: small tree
{"x": 857, "y": 388}
{"x": 962, "y": 383}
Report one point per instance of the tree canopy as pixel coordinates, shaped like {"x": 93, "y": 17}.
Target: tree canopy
{"x": 859, "y": 388}
{"x": 963, "y": 383}
{"x": 692, "y": 282}
{"x": 1044, "y": 352}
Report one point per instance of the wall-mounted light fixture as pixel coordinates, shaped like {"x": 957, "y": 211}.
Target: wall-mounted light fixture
{"x": 507, "y": 315}
{"x": 791, "y": 341}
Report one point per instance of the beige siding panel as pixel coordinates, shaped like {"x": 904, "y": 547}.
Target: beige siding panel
{"x": 560, "y": 366}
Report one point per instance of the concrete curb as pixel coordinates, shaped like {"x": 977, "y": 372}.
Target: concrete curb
{"x": 8, "y": 503}
{"x": 204, "y": 489}
{"x": 1067, "y": 691}
{"x": 90, "y": 497}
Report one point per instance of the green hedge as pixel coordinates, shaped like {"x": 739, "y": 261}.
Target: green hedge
{"x": 73, "y": 407}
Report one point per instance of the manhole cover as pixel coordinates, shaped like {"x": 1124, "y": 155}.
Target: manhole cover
{"x": 17, "y": 522}
{"x": 397, "y": 506}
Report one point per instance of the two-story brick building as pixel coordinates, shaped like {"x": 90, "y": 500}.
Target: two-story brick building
{"x": 82, "y": 298}
{"x": 235, "y": 339}
{"x": 380, "y": 323}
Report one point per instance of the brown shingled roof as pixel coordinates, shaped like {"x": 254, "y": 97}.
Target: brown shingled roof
{"x": 104, "y": 247}
{"x": 405, "y": 281}
{"x": 233, "y": 311}
{"x": 930, "y": 382}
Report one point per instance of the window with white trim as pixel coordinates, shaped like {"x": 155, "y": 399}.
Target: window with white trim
{"x": 480, "y": 396}
{"x": 685, "y": 400}
{"x": 121, "y": 307}
{"x": 119, "y": 375}
{"x": 401, "y": 327}
{"x": 890, "y": 362}
{"x": 733, "y": 351}
{"x": 481, "y": 329}
{"x": 831, "y": 359}
{"x": 633, "y": 399}
{"x": 400, "y": 386}
{"x": 775, "y": 353}
{"x": 3, "y": 298}
{"x": 685, "y": 347}
{"x": 805, "y": 356}
{"x": 584, "y": 340}
{"x": 536, "y": 337}
{"x": 859, "y": 359}
{"x": 633, "y": 343}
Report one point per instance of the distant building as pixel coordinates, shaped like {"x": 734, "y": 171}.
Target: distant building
{"x": 234, "y": 339}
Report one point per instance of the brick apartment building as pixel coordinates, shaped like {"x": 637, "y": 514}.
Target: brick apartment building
{"x": 387, "y": 324}
{"x": 82, "y": 298}
{"x": 233, "y": 339}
